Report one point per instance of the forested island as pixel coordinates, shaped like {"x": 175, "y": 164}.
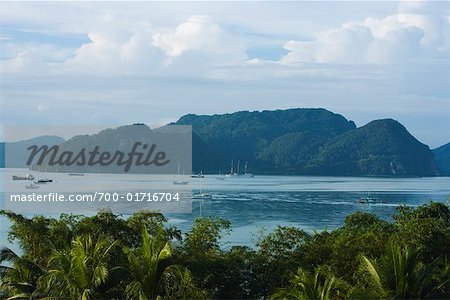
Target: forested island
{"x": 106, "y": 256}
{"x": 308, "y": 142}
{"x": 281, "y": 142}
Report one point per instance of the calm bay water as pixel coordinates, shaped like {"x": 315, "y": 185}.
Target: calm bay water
{"x": 263, "y": 202}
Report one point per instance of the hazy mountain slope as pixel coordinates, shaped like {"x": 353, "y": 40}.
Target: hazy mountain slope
{"x": 442, "y": 157}
{"x": 16, "y": 153}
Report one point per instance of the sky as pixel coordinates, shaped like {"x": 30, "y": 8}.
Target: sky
{"x": 92, "y": 63}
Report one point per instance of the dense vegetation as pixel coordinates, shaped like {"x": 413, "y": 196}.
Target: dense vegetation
{"x": 280, "y": 141}
{"x": 307, "y": 141}
{"x": 382, "y": 147}
{"x": 109, "y": 257}
{"x": 442, "y": 157}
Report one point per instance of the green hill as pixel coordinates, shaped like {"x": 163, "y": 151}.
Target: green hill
{"x": 280, "y": 141}
{"x": 307, "y": 141}
{"x": 292, "y": 141}
{"x": 442, "y": 157}
{"x": 382, "y": 147}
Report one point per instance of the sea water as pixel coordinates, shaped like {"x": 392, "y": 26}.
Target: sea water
{"x": 259, "y": 204}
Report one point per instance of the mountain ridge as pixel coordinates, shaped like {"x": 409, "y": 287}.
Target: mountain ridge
{"x": 299, "y": 141}
{"x": 442, "y": 158}
{"x": 306, "y": 140}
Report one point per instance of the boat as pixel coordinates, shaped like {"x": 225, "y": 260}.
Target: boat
{"x": 220, "y": 177}
{"x": 199, "y": 175}
{"x": 237, "y": 173}
{"x": 232, "y": 173}
{"x": 76, "y": 174}
{"x": 368, "y": 199}
{"x": 231, "y": 170}
{"x": 180, "y": 182}
{"x": 246, "y": 174}
{"x": 32, "y": 186}
{"x": 46, "y": 180}
{"x": 202, "y": 196}
{"x": 26, "y": 177}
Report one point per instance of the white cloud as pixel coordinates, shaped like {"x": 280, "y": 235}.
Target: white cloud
{"x": 28, "y": 62}
{"x": 200, "y": 33}
{"x": 417, "y": 31}
{"x": 109, "y": 54}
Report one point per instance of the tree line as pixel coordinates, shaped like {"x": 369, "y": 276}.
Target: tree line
{"x": 107, "y": 256}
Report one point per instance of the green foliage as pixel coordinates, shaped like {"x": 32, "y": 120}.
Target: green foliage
{"x": 305, "y": 285}
{"x": 78, "y": 257}
{"x": 426, "y": 228}
{"x": 146, "y": 266}
{"x": 205, "y": 235}
{"x": 362, "y": 233}
{"x": 18, "y": 276}
{"x": 80, "y": 272}
{"x": 279, "y": 254}
{"x": 400, "y": 274}
{"x": 109, "y": 257}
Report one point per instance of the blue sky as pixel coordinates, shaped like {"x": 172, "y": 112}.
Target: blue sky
{"x": 119, "y": 63}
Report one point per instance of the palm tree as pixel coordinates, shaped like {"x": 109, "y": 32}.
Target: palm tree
{"x": 148, "y": 267}
{"x": 305, "y": 285}
{"x": 80, "y": 271}
{"x": 403, "y": 276}
{"x": 18, "y": 276}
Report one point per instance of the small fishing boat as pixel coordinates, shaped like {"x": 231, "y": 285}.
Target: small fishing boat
{"x": 32, "y": 186}
{"x": 199, "y": 175}
{"x": 202, "y": 196}
{"x": 180, "y": 182}
{"x": 368, "y": 199}
{"x": 76, "y": 174}
{"x": 26, "y": 177}
{"x": 45, "y": 180}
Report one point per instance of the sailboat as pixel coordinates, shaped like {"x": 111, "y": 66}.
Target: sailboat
{"x": 220, "y": 177}
{"x": 202, "y": 195}
{"x": 180, "y": 182}
{"x": 246, "y": 170}
{"x": 368, "y": 199}
{"x": 231, "y": 170}
{"x": 237, "y": 173}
